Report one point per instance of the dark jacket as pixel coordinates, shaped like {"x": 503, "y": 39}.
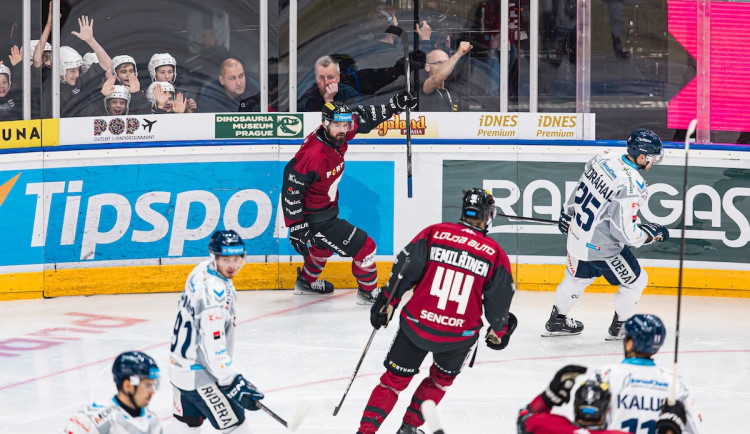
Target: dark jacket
{"x": 214, "y": 99}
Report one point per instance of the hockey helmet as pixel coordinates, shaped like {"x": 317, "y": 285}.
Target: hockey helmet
{"x": 337, "y": 112}
{"x": 226, "y": 243}
{"x": 134, "y": 366}
{"x": 646, "y": 330}
{"x": 478, "y": 204}
{"x": 161, "y": 59}
{"x": 121, "y": 92}
{"x": 165, "y": 86}
{"x": 122, "y": 59}
{"x": 34, "y": 43}
{"x": 592, "y": 401}
{"x": 5, "y": 70}
{"x": 69, "y": 58}
{"x": 88, "y": 60}
{"x": 645, "y": 142}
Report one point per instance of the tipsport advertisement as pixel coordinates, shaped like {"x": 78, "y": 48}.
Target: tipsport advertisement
{"x": 128, "y": 214}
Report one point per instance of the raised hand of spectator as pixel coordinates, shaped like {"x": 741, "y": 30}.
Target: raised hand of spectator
{"x": 192, "y": 106}
{"x": 16, "y": 55}
{"x": 161, "y": 97}
{"x": 86, "y": 29}
{"x": 133, "y": 84}
{"x": 48, "y": 24}
{"x": 180, "y": 104}
{"x": 463, "y": 48}
{"x": 331, "y": 91}
{"x": 424, "y": 31}
{"x": 109, "y": 84}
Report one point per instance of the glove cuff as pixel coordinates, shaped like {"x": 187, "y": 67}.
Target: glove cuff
{"x": 551, "y": 398}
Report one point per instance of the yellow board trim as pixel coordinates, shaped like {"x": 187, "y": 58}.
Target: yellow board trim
{"x": 171, "y": 278}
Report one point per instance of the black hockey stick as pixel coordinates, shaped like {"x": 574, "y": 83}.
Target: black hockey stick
{"x": 294, "y": 423}
{"x": 531, "y": 219}
{"x": 429, "y": 412}
{"x": 690, "y": 131}
{"x": 329, "y": 404}
{"x": 398, "y": 31}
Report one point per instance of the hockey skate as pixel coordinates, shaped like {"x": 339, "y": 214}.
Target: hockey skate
{"x": 614, "y": 330}
{"x": 367, "y": 297}
{"x": 561, "y": 325}
{"x": 319, "y": 287}
{"x": 409, "y": 429}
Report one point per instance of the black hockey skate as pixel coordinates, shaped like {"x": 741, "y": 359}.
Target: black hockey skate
{"x": 614, "y": 330}
{"x": 561, "y": 325}
{"x": 319, "y": 287}
{"x": 409, "y": 429}
{"x": 367, "y": 297}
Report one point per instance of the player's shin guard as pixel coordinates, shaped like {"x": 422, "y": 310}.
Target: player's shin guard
{"x": 382, "y": 400}
{"x": 569, "y": 291}
{"x": 363, "y": 266}
{"x": 628, "y": 295}
{"x": 433, "y": 388}
{"x": 314, "y": 263}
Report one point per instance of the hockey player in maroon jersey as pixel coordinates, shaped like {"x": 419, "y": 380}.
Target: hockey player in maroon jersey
{"x": 591, "y": 406}
{"x": 310, "y": 198}
{"x": 457, "y": 271}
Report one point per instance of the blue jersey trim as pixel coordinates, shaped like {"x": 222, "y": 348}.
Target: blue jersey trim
{"x": 628, "y": 162}
{"x": 639, "y": 361}
{"x": 213, "y": 272}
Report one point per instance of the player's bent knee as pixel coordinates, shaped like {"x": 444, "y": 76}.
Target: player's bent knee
{"x": 639, "y": 284}
{"x": 441, "y": 378}
{"x": 366, "y": 255}
{"x": 397, "y": 382}
{"x": 191, "y": 421}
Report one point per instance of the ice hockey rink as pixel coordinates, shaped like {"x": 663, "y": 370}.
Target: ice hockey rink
{"x": 56, "y": 355}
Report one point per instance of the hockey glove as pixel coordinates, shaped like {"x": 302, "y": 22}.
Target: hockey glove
{"x": 672, "y": 417}
{"x": 656, "y": 232}
{"x": 380, "y": 314}
{"x": 558, "y": 391}
{"x": 299, "y": 236}
{"x": 564, "y": 222}
{"x": 500, "y": 341}
{"x": 400, "y": 101}
{"x": 244, "y": 393}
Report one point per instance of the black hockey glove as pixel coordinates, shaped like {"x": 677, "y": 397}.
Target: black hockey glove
{"x": 672, "y": 417}
{"x": 400, "y": 101}
{"x": 656, "y": 232}
{"x": 564, "y": 222}
{"x": 500, "y": 342}
{"x": 558, "y": 391}
{"x": 243, "y": 392}
{"x": 299, "y": 236}
{"x": 380, "y": 314}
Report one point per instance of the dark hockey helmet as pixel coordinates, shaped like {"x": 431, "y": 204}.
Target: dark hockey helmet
{"x": 336, "y": 112}
{"x": 226, "y": 243}
{"x": 478, "y": 204}
{"x": 647, "y": 331}
{"x": 134, "y": 366}
{"x": 645, "y": 142}
{"x": 592, "y": 401}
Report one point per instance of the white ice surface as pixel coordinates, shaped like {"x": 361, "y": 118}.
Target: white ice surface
{"x": 304, "y": 348}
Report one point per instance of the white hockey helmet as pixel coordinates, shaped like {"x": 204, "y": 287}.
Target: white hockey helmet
{"x": 88, "y": 60}
{"x": 119, "y": 60}
{"x": 34, "y": 43}
{"x": 5, "y": 70}
{"x": 69, "y": 58}
{"x": 161, "y": 59}
{"x": 165, "y": 86}
{"x": 121, "y": 92}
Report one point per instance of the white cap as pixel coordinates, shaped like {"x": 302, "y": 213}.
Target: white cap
{"x": 121, "y": 92}
{"x": 161, "y": 59}
{"x": 119, "y": 60}
{"x": 34, "y": 43}
{"x": 165, "y": 86}
{"x": 5, "y": 70}
{"x": 88, "y": 60}
{"x": 69, "y": 58}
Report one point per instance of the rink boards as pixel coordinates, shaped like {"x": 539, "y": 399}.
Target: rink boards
{"x": 86, "y": 220}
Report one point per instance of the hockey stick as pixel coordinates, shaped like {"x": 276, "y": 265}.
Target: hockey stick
{"x": 531, "y": 219}
{"x": 398, "y": 31}
{"x": 690, "y": 131}
{"x": 429, "y": 412}
{"x": 329, "y": 403}
{"x": 295, "y": 421}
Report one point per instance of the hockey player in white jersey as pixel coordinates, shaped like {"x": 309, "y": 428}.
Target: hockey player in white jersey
{"x": 202, "y": 371}
{"x": 640, "y": 389}
{"x": 601, "y": 222}
{"x": 137, "y": 378}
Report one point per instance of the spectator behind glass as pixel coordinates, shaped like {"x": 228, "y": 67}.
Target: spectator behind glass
{"x": 208, "y": 43}
{"x": 163, "y": 67}
{"x": 327, "y": 87}
{"x": 434, "y": 95}
{"x": 233, "y": 91}
{"x": 125, "y": 71}
{"x": 10, "y": 110}
{"x": 162, "y": 97}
